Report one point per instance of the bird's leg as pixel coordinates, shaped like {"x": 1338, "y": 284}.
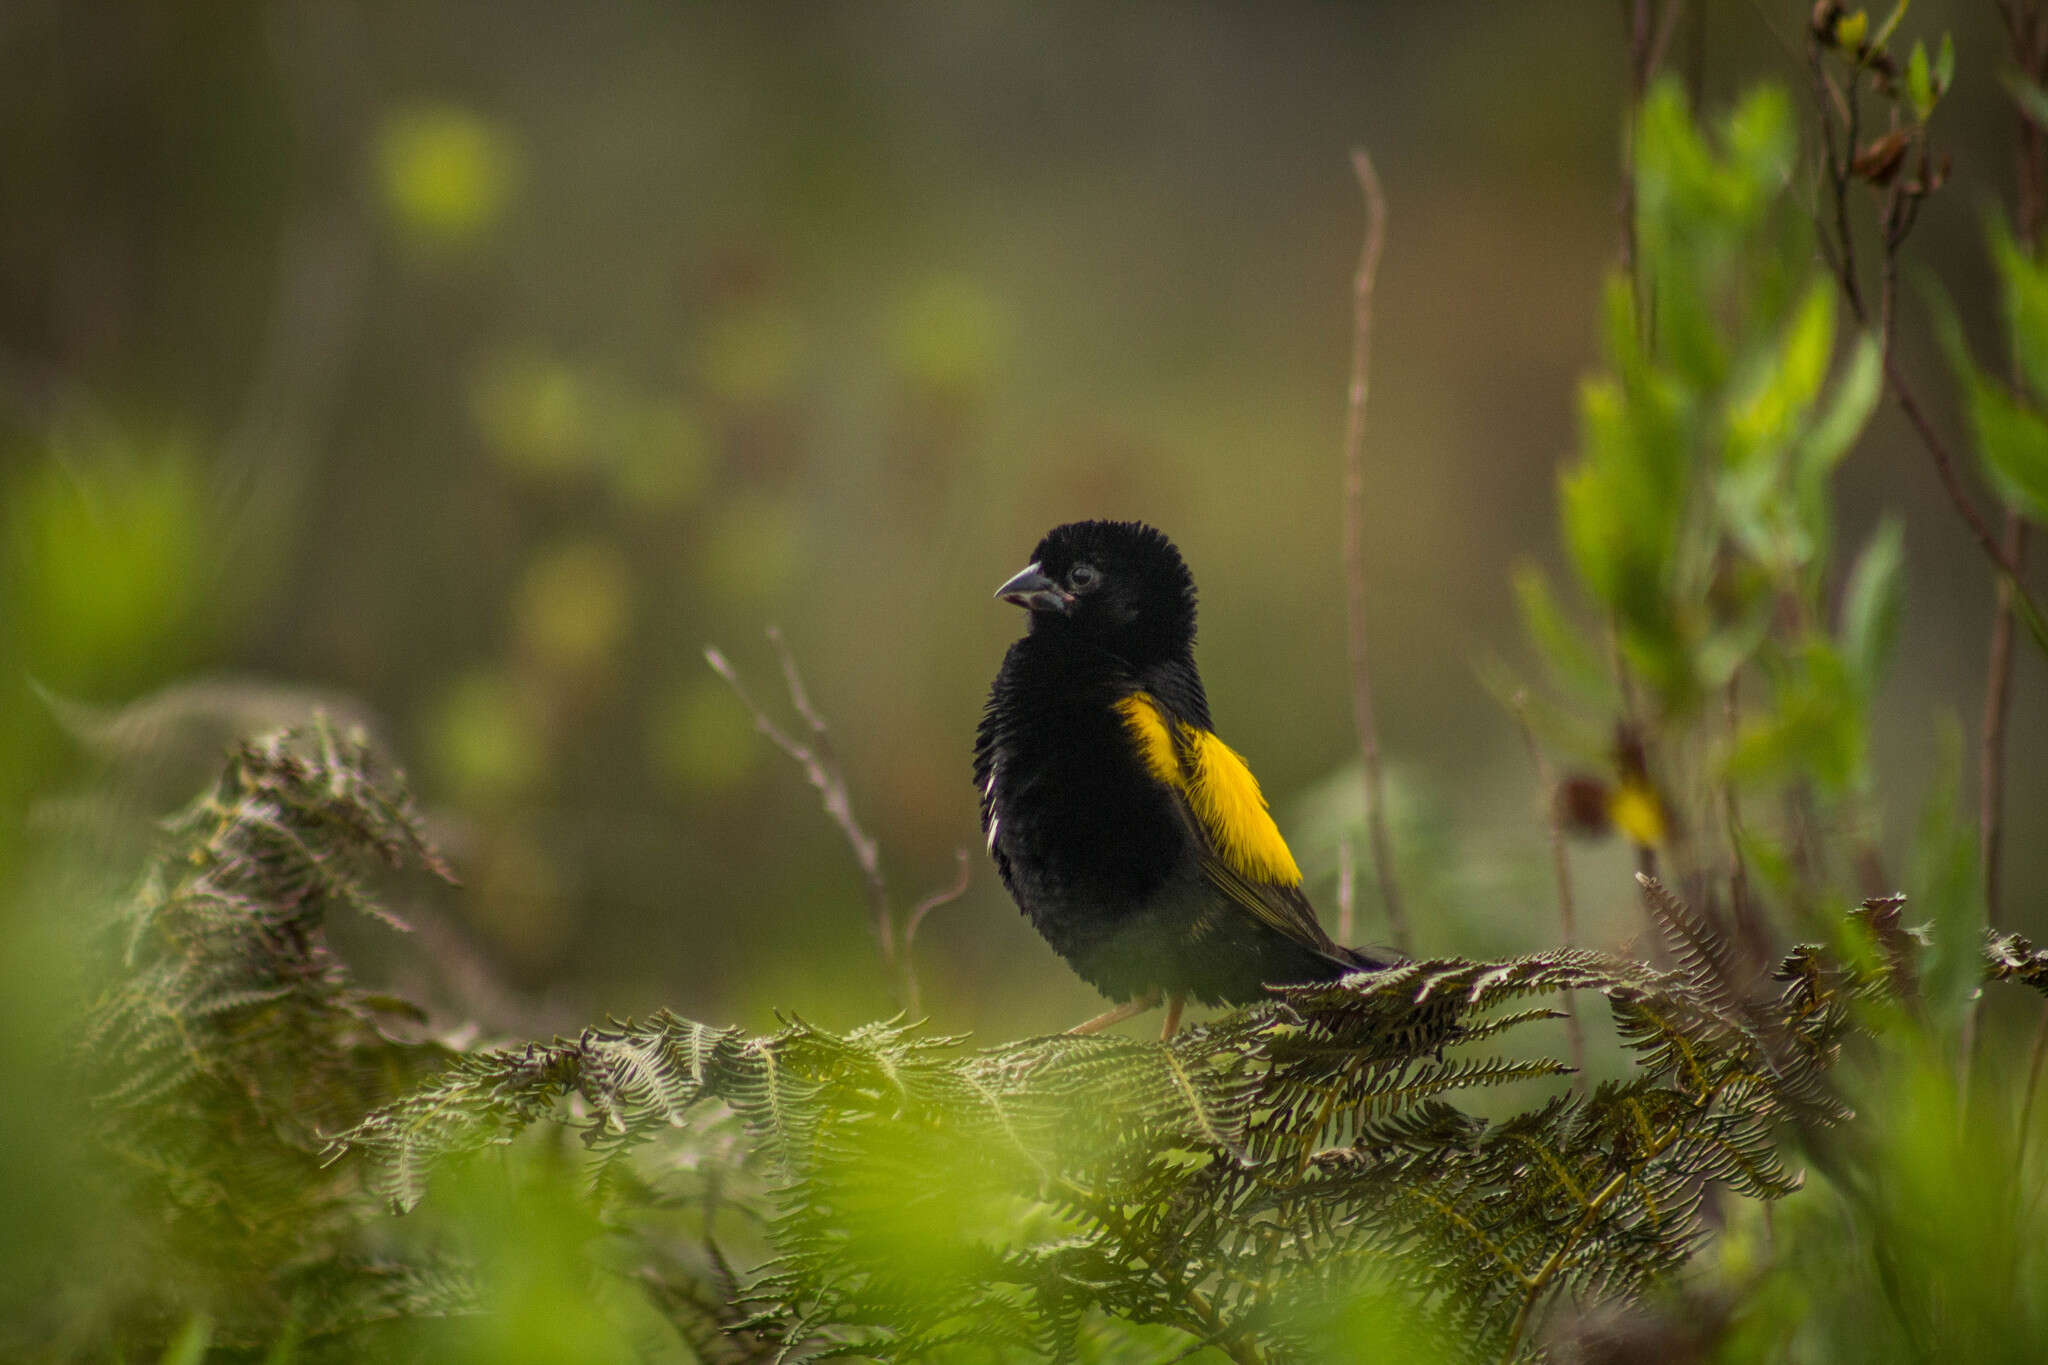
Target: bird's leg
{"x": 1173, "y": 1006}
{"x": 1119, "y": 1014}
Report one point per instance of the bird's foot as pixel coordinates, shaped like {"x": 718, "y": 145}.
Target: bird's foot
{"x": 1110, "y": 1018}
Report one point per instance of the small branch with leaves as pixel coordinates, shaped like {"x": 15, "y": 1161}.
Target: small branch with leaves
{"x": 1843, "y": 59}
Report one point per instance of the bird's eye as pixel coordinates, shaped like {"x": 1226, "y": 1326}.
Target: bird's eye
{"x": 1083, "y": 576}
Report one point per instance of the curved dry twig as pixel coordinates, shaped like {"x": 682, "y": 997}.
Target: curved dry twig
{"x": 1354, "y": 541}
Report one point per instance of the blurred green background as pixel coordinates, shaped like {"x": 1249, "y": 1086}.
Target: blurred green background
{"x": 468, "y": 368}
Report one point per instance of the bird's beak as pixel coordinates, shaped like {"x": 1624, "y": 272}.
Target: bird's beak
{"x": 1033, "y": 591}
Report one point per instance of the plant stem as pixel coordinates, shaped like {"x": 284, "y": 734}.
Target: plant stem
{"x": 822, "y": 769}
{"x": 1997, "y": 706}
{"x": 1354, "y": 542}
{"x": 2030, "y": 164}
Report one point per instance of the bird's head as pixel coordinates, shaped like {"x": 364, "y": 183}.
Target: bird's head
{"x": 1119, "y": 584}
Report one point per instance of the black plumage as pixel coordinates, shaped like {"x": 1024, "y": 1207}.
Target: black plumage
{"x": 1135, "y": 840}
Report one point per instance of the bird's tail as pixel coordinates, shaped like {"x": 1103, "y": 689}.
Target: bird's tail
{"x": 1370, "y": 959}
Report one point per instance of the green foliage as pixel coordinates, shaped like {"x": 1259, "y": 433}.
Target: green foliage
{"x": 928, "y": 1198}
{"x": 1242, "y": 1185}
{"x": 1699, "y": 502}
{"x": 1391, "y": 1164}
{"x": 104, "y": 557}
{"x": 229, "y": 1042}
{"x": 2010, "y": 427}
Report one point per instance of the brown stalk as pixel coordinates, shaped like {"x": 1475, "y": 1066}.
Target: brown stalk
{"x": 2024, "y": 32}
{"x": 1354, "y": 541}
{"x": 2029, "y": 42}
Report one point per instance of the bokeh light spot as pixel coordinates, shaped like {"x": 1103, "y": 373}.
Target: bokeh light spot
{"x": 752, "y": 355}
{"x": 947, "y": 331}
{"x": 701, "y": 737}
{"x": 659, "y": 455}
{"x": 573, "y": 605}
{"x": 752, "y": 550}
{"x": 106, "y": 547}
{"x": 446, "y": 173}
{"x": 533, "y": 412}
{"x": 485, "y": 740}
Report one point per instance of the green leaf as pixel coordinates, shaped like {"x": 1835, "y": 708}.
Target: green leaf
{"x": 1851, "y": 29}
{"x": 1945, "y": 65}
{"x": 2023, "y": 293}
{"x": 1784, "y": 380}
{"x": 1563, "y": 647}
{"x": 189, "y": 1347}
{"x": 2031, "y": 98}
{"x": 1735, "y": 642}
{"x": 2011, "y": 440}
{"x": 1920, "y": 82}
{"x": 1871, "y": 605}
{"x": 1848, "y": 412}
{"x": 1814, "y": 728}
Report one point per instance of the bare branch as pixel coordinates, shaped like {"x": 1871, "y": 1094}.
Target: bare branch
{"x": 822, "y": 770}
{"x": 1354, "y": 540}
{"x": 1997, "y": 705}
{"x": 944, "y": 896}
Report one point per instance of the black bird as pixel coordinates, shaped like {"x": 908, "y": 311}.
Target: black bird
{"x": 1134, "y": 839}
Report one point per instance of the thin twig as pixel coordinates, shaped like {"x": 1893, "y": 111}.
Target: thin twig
{"x": 1354, "y": 540}
{"x": 867, "y": 851}
{"x": 1750, "y": 932}
{"x": 1636, "y": 13}
{"x": 1660, "y": 40}
{"x": 821, "y": 769}
{"x": 944, "y": 896}
{"x": 1347, "y": 890}
{"x": 1561, "y": 867}
{"x": 1645, "y": 51}
{"x": 1997, "y": 705}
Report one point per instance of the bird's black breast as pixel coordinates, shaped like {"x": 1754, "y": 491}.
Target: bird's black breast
{"x": 1090, "y": 845}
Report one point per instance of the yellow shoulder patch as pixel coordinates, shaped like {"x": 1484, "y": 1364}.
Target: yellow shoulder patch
{"x": 1147, "y": 724}
{"x": 1219, "y": 788}
{"x": 1228, "y": 802}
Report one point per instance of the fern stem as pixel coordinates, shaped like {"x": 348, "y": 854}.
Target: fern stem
{"x": 1231, "y": 1340}
{"x": 1540, "y": 1282}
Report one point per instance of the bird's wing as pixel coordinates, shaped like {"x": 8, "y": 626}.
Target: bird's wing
{"x": 1242, "y": 852}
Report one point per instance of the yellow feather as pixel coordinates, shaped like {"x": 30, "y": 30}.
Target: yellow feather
{"x": 1228, "y": 802}
{"x": 1147, "y": 724}
{"x": 1220, "y": 789}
